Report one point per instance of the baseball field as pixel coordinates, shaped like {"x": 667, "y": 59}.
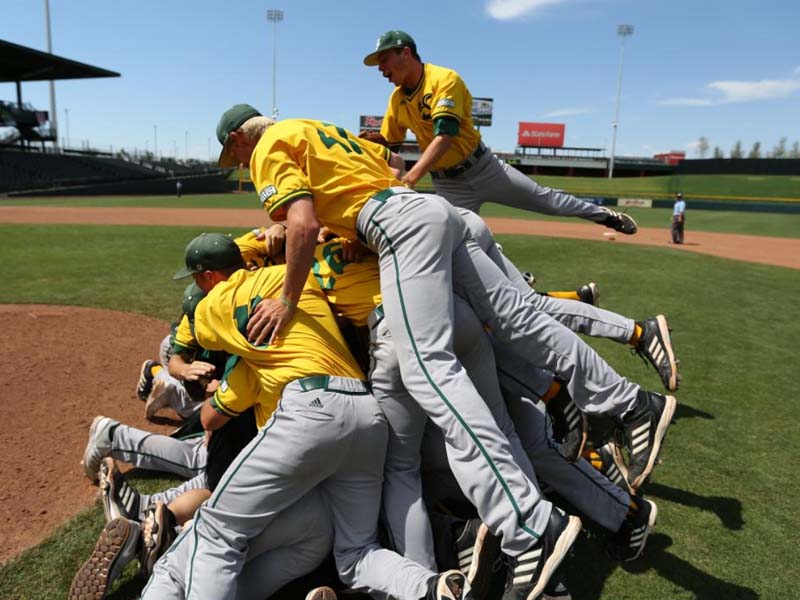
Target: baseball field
{"x": 727, "y": 487}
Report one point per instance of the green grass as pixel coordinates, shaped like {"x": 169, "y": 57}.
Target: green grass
{"x": 755, "y": 223}
{"x": 195, "y": 201}
{"x": 727, "y": 487}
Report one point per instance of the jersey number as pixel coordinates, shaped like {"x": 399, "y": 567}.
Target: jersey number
{"x": 335, "y": 261}
{"x": 346, "y": 143}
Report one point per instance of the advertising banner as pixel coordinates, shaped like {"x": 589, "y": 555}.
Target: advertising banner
{"x": 370, "y": 122}
{"x": 541, "y": 134}
{"x": 482, "y": 111}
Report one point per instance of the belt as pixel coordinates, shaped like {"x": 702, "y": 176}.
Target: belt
{"x": 381, "y": 197}
{"x": 463, "y": 166}
{"x": 343, "y": 385}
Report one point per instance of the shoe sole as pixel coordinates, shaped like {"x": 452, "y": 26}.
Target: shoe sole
{"x": 661, "y": 432}
{"x": 141, "y": 382}
{"x": 106, "y": 483}
{"x": 323, "y": 593}
{"x": 651, "y": 522}
{"x": 93, "y": 579}
{"x": 595, "y": 294}
{"x": 484, "y": 554}
{"x": 90, "y": 473}
{"x": 154, "y": 400}
{"x": 663, "y": 329}
{"x": 564, "y": 543}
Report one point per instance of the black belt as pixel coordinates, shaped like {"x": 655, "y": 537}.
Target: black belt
{"x": 463, "y": 166}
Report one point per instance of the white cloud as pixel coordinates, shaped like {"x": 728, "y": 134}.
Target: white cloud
{"x": 567, "y": 112}
{"x": 729, "y": 92}
{"x": 505, "y": 10}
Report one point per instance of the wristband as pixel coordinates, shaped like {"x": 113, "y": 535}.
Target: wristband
{"x": 285, "y": 302}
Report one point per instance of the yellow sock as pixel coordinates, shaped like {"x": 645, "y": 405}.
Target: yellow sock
{"x": 155, "y": 369}
{"x": 633, "y": 507}
{"x": 637, "y": 333}
{"x": 552, "y": 391}
{"x": 565, "y": 295}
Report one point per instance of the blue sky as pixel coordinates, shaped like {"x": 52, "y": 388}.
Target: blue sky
{"x": 727, "y": 71}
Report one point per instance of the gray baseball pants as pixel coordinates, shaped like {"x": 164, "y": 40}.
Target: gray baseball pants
{"x": 425, "y": 253}
{"x": 294, "y": 544}
{"x": 147, "y": 450}
{"x": 493, "y": 180}
{"x": 326, "y": 432}
{"x": 405, "y": 513}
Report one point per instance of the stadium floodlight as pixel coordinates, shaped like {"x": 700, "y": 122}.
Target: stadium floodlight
{"x": 274, "y": 17}
{"x": 623, "y": 31}
{"x": 52, "y": 117}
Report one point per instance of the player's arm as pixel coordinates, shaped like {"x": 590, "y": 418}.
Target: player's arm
{"x": 302, "y": 230}
{"x": 182, "y": 367}
{"x": 210, "y": 418}
{"x": 437, "y": 148}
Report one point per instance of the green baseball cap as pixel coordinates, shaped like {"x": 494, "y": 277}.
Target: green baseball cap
{"x": 231, "y": 120}
{"x": 391, "y": 39}
{"x": 210, "y": 252}
{"x": 191, "y": 298}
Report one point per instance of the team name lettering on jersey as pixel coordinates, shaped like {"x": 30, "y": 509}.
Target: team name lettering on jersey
{"x": 448, "y": 102}
{"x": 267, "y": 193}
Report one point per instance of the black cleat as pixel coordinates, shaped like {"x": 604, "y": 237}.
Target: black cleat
{"x": 621, "y": 222}
{"x": 530, "y": 572}
{"x": 644, "y": 428}
{"x": 477, "y": 550}
{"x": 450, "y": 585}
{"x": 145, "y": 383}
{"x": 628, "y": 543}
{"x": 570, "y": 426}
{"x": 655, "y": 347}
{"x": 119, "y": 498}
{"x": 589, "y": 294}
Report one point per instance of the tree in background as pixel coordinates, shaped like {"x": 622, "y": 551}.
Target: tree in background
{"x": 755, "y": 151}
{"x": 702, "y": 146}
{"x": 780, "y": 150}
{"x": 736, "y": 152}
{"x": 718, "y": 153}
{"x": 795, "y": 153}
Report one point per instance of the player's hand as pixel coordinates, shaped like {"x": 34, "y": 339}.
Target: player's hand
{"x": 353, "y": 250}
{"x": 373, "y": 136}
{"x": 212, "y": 387}
{"x": 274, "y": 239}
{"x": 409, "y": 182}
{"x": 267, "y": 320}
{"x": 198, "y": 370}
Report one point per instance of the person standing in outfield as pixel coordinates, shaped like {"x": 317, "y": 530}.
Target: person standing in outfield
{"x": 314, "y": 173}
{"x": 678, "y": 218}
{"x": 436, "y": 105}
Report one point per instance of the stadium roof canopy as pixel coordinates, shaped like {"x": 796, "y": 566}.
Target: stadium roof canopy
{"x": 20, "y": 63}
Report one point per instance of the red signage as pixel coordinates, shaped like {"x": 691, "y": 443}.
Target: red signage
{"x": 541, "y": 134}
{"x": 671, "y": 158}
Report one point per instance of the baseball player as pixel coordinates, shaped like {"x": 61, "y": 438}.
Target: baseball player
{"x": 678, "y": 218}
{"x": 436, "y": 105}
{"x": 313, "y": 411}
{"x": 314, "y": 173}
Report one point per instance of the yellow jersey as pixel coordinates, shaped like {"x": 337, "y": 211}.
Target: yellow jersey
{"x": 254, "y": 251}
{"x": 310, "y": 344}
{"x": 352, "y": 288}
{"x": 340, "y": 172}
{"x": 440, "y": 93}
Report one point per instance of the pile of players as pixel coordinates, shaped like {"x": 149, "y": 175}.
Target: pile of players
{"x": 394, "y": 395}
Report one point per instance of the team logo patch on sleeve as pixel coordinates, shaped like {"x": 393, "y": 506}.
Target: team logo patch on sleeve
{"x": 448, "y": 102}
{"x": 267, "y": 193}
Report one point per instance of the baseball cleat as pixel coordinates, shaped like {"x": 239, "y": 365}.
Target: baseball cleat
{"x": 321, "y": 593}
{"x": 570, "y": 426}
{"x": 529, "y": 277}
{"x": 450, "y": 585}
{"x": 158, "y": 399}
{"x": 145, "y": 383}
{"x": 589, "y": 294}
{"x": 98, "y": 446}
{"x": 477, "y": 550}
{"x": 609, "y": 461}
{"x": 120, "y": 500}
{"x": 556, "y": 590}
{"x": 655, "y": 347}
{"x": 158, "y": 533}
{"x": 622, "y": 222}
{"x": 644, "y": 428}
{"x": 628, "y": 543}
{"x": 530, "y": 572}
{"x": 115, "y": 548}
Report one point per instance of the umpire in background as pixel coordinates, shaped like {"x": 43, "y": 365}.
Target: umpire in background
{"x": 678, "y": 218}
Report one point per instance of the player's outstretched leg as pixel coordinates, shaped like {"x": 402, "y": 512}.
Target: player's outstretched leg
{"x": 628, "y": 543}
{"x": 115, "y": 548}
{"x": 119, "y": 498}
{"x": 644, "y": 428}
{"x": 530, "y": 572}
{"x": 477, "y": 550}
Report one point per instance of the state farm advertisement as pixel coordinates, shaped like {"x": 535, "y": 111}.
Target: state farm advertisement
{"x": 541, "y": 134}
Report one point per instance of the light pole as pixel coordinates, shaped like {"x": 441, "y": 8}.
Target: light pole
{"x": 53, "y": 118}
{"x": 155, "y": 142}
{"x": 623, "y": 31}
{"x": 186, "y": 143}
{"x": 66, "y": 122}
{"x": 274, "y": 16}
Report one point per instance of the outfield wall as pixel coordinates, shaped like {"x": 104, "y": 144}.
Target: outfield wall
{"x": 213, "y": 183}
{"x": 739, "y": 166}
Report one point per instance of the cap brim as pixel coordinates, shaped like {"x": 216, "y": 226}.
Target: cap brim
{"x": 183, "y": 273}
{"x": 371, "y": 60}
{"x": 226, "y": 160}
